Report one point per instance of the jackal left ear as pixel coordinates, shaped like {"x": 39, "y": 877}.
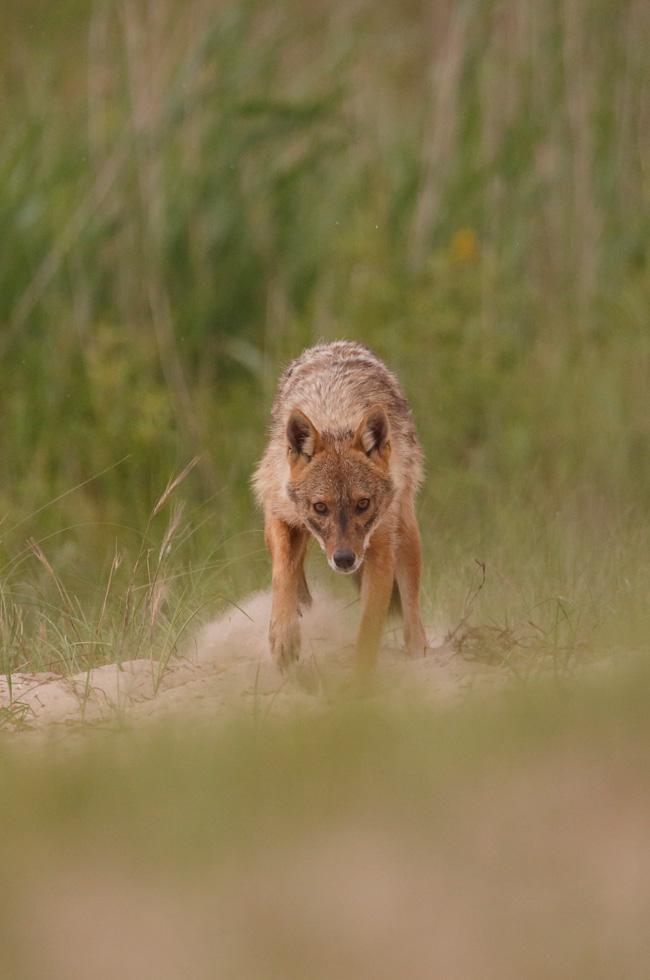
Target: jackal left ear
{"x": 373, "y": 434}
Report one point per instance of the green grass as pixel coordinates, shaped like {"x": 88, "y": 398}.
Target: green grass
{"x": 190, "y": 193}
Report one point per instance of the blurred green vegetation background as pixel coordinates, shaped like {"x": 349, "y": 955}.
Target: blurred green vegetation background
{"x": 191, "y": 192}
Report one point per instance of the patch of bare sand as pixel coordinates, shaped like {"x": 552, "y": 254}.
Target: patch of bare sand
{"x": 227, "y": 668}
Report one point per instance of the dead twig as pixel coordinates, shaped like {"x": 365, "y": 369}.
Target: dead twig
{"x": 469, "y": 602}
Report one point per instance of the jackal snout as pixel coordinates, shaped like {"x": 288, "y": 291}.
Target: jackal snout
{"x": 344, "y": 560}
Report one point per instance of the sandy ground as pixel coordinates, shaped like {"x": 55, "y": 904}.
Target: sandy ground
{"x": 535, "y": 866}
{"x": 227, "y": 668}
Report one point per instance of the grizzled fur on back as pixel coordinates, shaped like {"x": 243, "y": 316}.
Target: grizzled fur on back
{"x": 335, "y": 385}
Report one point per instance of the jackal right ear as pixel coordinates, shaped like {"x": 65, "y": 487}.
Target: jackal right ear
{"x": 373, "y": 434}
{"x": 304, "y": 439}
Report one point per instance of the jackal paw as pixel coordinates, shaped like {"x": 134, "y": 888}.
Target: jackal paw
{"x": 284, "y": 638}
{"x": 415, "y": 641}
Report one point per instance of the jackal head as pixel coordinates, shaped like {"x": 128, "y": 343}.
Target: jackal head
{"x": 341, "y": 484}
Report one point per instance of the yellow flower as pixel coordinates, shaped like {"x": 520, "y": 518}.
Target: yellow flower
{"x": 464, "y": 245}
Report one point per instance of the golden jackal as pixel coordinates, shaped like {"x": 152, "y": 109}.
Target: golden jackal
{"x": 343, "y": 464}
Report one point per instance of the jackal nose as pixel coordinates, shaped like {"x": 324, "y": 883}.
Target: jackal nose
{"x": 344, "y": 559}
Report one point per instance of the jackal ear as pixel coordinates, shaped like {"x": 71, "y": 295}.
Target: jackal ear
{"x": 373, "y": 434}
{"x": 302, "y": 436}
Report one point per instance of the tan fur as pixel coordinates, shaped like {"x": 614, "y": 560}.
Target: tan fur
{"x": 342, "y": 438}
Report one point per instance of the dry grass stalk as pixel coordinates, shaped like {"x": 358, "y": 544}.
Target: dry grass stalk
{"x": 173, "y": 484}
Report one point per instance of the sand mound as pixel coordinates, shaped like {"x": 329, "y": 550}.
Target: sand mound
{"x": 227, "y": 668}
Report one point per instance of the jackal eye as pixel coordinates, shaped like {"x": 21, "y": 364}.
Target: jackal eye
{"x": 363, "y": 504}
{"x": 320, "y": 507}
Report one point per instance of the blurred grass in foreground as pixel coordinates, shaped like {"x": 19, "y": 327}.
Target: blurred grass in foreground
{"x": 191, "y": 192}
{"x": 503, "y": 839}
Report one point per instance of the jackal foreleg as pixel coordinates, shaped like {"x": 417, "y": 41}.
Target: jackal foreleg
{"x": 376, "y": 590}
{"x": 287, "y": 546}
{"x": 408, "y": 565}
